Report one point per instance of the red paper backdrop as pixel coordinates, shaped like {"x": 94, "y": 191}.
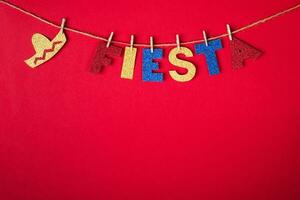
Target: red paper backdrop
{"x": 69, "y": 134}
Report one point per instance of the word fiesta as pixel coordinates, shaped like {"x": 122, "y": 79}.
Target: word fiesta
{"x": 240, "y": 51}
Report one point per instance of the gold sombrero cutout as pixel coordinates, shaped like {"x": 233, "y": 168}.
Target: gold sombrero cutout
{"x": 44, "y": 48}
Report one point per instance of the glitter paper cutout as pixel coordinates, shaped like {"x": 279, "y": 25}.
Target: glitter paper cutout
{"x": 149, "y": 65}
{"x": 45, "y": 49}
{"x": 210, "y": 54}
{"x": 241, "y": 51}
{"x": 102, "y": 58}
{"x": 128, "y": 62}
{"x": 191, "y": 69}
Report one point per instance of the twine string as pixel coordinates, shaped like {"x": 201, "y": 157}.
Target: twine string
{"x": 90, "y": 35}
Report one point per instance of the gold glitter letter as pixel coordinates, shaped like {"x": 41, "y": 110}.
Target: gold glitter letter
{"x": 191, "y": 69}
{"x": 128, "y": 62}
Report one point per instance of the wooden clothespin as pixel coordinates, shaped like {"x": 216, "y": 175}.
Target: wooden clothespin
{"x": 151, "y": 44}
{"x": 229, "y": 32}
{"x": 205, "y": 38}
{"x": 109, "y": 39}
{"x": 62, "y": 26}
{"x": 131, "y": 42}
{"x": 178, "y": 42}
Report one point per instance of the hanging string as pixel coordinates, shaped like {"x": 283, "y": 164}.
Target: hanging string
{"x": 261, "y": 21}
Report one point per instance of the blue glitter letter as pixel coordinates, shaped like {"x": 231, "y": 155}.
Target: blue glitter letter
{"x": 149, "y": 65}
{"x": 210, "y": 55}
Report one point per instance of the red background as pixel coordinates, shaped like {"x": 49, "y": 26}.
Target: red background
{"x": 69, "y": 134}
